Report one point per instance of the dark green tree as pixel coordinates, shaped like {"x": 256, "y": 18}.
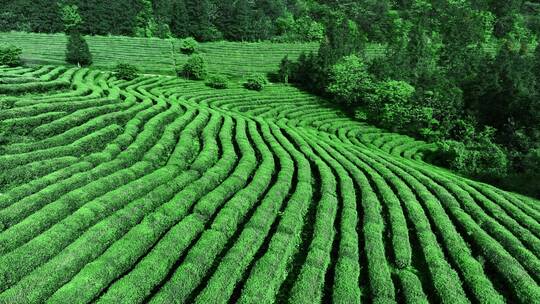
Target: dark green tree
{"x": 242, "y": 26}
{"x": 199, "y": 24}
{"x": 71, "y": 18}
{"x": 179, "y": 19}
{"x": 271, "y": 8}
{"x": 78, "y": 51}
{"x": 286, "y": 69}
{"x": 146, "y": 25}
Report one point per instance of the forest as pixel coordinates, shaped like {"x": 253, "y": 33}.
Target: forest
{"x": 462, "y": 74}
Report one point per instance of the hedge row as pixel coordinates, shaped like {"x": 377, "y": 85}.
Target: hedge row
{"x": 251, "y": 230}
{"x": 88, "y": 162}
{"x": 93, "y": 242}
{"x": 111, "y": 201}
{"x": 70, "y": 131}
{"x": 270, "y": 271}
{"x": 519, "y": 263}
{"x": 18, "y": 211}
{"x": 174, "y": 229}
{"x": 216, "y": 207}
{"x": 380, "y": 282}
{"x": 33, "y": 87}
{"x": 442, "y": 274}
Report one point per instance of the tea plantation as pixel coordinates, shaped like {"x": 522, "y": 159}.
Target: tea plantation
{"x": 163, "y": 190}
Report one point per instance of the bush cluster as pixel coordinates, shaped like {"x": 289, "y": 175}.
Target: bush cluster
{"x": 217, "y": 82}
{"x": 188, "y": 46}
{"x": 126, "y": 71}
{"x": 10, "y": 55}
{"x": 256, "y": 82}
{"x": 478, "y": 156}
{"x": 195, "y": 68}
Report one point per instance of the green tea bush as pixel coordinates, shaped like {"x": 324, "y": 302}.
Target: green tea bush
{"x": 217, "y": 82}
{"x": 22, "y": 88}
{"x": 10, "y": 55}
{"x": 126, "y": 71}
{"x": 195, "y": 68}
{"x": 188, "y": 46}
{"x": 256, "y": 82}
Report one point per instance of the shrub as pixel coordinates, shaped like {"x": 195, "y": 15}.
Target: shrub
{"x": 188, "y": 46}
{"x": 126, "y": 71}
{"x": 78, "y": 51}
{"x": 217, "y": 82}
{"x": 462, "y": 130}
{"x": 391, "y": 104}
{"x": 480, "y": 157}
{"x": 70, "y": 17}
{"x": 195, "y": 68}
{"x": 10, "y": 55}
{"x": 299, "y": 30}
{"x": 413, "y": 120}
{"x": 256, "y": 82}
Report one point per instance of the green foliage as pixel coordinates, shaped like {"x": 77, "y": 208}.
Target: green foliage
{"x": 10, "y": 55}
{"x": 255, "y": 82}
{"x": 71, "y": 18}
{"x": 301, "y": 29}
{"x": 391, "y": 105}
{"x": 77, "y": 51}
{"x": 146, "y": 25}
{"x": 126, "y": 71}
{"x": 217, "y": 82}
{"x": 188, "y": 46}
{"x": 195, "y": 68}
{"x": 350, "y": 81}
{"x": 479, "y": 157}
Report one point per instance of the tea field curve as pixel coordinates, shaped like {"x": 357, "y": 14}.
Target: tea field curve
{"x": 162, "y": 190}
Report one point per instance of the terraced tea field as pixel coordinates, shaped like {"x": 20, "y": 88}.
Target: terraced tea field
{"x": 161, "y": 190}
{"x": 160, "y": 56}
{"x": 234, "y": 59}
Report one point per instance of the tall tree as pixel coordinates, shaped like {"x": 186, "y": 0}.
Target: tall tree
{"x": 78, "y": 51}
{"x": 179, "y": 19}
{"x": 199, "y": 24}
{"x": 242, "y": 27}
{"x": 146, "y": 25}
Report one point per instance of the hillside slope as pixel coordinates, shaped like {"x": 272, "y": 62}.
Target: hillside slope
{"x": 161, "y": 56}
{"x": 157, "y": 56}
{"x": 162, "y": 190}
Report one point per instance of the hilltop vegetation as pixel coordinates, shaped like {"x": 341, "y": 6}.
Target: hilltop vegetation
{"x": 206, "y": 20}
